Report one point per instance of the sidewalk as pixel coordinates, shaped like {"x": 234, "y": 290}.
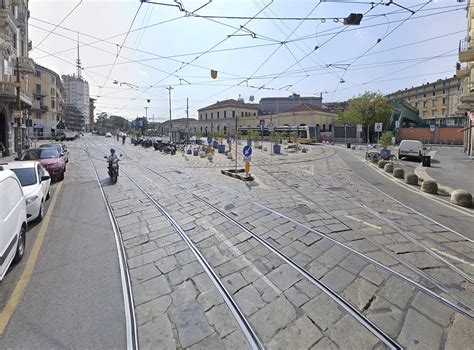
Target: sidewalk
{"x": 451, "y": 168}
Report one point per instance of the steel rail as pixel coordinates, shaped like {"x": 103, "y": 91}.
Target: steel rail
{"x": 130, "y": 317}
{"x": 242, "y": 321}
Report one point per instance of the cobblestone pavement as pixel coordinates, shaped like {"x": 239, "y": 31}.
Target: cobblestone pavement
{"x": 353, "y": 241}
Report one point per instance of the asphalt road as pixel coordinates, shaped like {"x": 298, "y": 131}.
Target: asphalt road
{"x": 451, "y": 218}
{"x": 74, "y": 297}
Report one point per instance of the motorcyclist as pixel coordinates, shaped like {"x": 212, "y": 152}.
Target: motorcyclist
{"x": 111, "y": 157}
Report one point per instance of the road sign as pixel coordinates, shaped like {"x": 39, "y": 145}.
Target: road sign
{"x": 432, "y": 127}
{"x": 247, "y": 151}
{"x": 209, "y": 140}
{"x": 397, "y": 124}
{"x": 346, "y": 124}
{"x": 359, "y": 127}
{"x": 378, "y": 127}
{"x": 262, "y": 122}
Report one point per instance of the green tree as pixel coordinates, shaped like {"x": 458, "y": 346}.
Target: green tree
{"x": 367, "y": 109}
{"x": 385, "y": 139}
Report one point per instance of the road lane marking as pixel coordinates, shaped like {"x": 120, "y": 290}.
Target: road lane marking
{"x": 453, "y": 257}
{"x": 17, "y": 294}
{"x": 364, "y": 222}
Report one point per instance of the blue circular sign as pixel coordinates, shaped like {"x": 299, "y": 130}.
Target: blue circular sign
{"x": 209, "y": 140}
{"x": 247, "y": 151}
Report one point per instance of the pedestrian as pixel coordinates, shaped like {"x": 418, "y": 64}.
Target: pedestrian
{"x": 2, "y": 148}
{"x": 27, "y": 142}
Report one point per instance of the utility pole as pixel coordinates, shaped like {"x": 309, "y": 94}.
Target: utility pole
{"x": 146, "y": 113}
{"x": 187, "y": 120}
{"x": 18, "y": 107}
{"x": 236, "y": 126}
{"x": 169, "y": 90}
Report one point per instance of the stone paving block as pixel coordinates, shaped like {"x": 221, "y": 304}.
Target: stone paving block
{"x": 141, "y": 249}
{"x": 397, "y": 292}
{"x": 182, "y": 273}
{"x": 353, "y": 263}
{"x": 301, "y": 334}
{"x": 155, "y": 308}
{"x": 387, "y": 316}
{"x": 433, "y": 309}
{"x": 251, "y": 274}
{"x": 337, "y": 279}
{"x": 383, "y": 258}
{"x": 203, "y": 282}
{"x": 333, "y": 256}
{"x": 325, "y": 344}
{"x": 302, "y": 259}
{"x": 308, "y": 288}
{"x": 419, "y": 332}
{"x": 167, "y": 240}
{"x": 268, "y": 291}
{"x": 460, "y": 334}
{"x": 272, "y": 317}
{"x": 234, "y": 282}
{"x": 360, "y": 293}
{"x": 209, "y": 299}
{"x": 323, "y": 311}
{"x": 143, "y": 273}
{"x": 211, "y": 342}
{"x": 146, "y": 258}
{"x": 185, "y": 257}
{"x": 166, "y": 264}
{"x": 176, "y": 248}
{"x": 235, "y": 341}
{"x": 421, "y": 260}
{"x": 128, "y": 234}
{"x": 156, "y": 234}
{"x": 150, "y": 290}
{"x": 191, "y": 323}
{"x": 157, "y": 334}
{"x": 249, "y": 300}
{"x": 374, "y": 274}
{"x": 296, "y": 297}
{"x": 362, "y": 246}
{"x": 217, "y": 257}
{"x": 284, "y": 276}
{"x": 136, "y": 240}
{"x": 221, "y": 319}
{"x": 348, "y": 333}
{"x": 232, "y": 266}
{"x": 184, "y": 292}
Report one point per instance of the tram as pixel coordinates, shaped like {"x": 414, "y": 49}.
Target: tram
{"x": 306, "y": 134}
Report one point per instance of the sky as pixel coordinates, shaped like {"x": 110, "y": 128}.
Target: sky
{"x": 132, "y": 52}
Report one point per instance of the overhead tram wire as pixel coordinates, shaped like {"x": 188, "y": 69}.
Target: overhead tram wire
{"x": 121, "y": 46}
{"x": 57, "y": 25}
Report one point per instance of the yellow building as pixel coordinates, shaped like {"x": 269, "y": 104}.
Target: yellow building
{"x": 437, "y": 100}
{"x": 464, "y": 70}
{"x": 221, "y": 115}
{"x": 48, "y": 104}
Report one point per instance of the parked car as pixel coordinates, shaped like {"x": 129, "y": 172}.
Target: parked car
{"x": 36, "y": 184}
{"x": 70, "y": 135}
{"x": 108, "y": 134}
{"x": 50, "y": 158}
{"x": 410, "y": 149}
{"x": 61, "y": 147}
{"x": 13, "y": 221}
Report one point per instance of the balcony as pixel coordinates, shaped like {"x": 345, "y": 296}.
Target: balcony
{"x": 44, "y": 108}
{"x": 466, "y": 51}
{"x": 462, "y": 70}
{"x": 21, "y": 20}
{"x": 467, "y": 98}
{"x": 8, "y": 93}
{"x": 40, "y": 93}
{"x": 27, "y": 65}
{"x": 7, "y": 17}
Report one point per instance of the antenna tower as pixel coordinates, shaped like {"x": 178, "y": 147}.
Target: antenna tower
{"x": 78, "y": 62}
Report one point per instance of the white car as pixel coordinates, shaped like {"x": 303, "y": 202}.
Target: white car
{"x": 410, "y": 149}
{"x": 13, "y": 221}
{"x": 36, "y": 183}
{"x": 108, "y": 134}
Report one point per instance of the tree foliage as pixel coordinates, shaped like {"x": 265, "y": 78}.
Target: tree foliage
{"x": 368, "y": 108}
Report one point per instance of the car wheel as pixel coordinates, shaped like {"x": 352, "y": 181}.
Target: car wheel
{"x": 20, "y": 249}
{"x": 61, "y": 177}
{"x": 64, "y": 168}
{"x": 40, "y": 213}
{"x": 48, "y": 196}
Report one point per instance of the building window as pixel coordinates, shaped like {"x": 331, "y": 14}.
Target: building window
{"x": 206, "y": 116}
{"x": 443, "y": 111}
{"x": 444, "y": 100}
{"x": 416, "y": 104}
{"x": 433, "y": 102}
{"x": 225, "y": 114}
{"x": 53, "y": 103}
{"x": 225, "y": 128}
{"x": 218, "y": 127}
{"x": 424, "y": 114}
{"x": 38, "y": 74}
{"x": 38, "y": 115}
{"x": 424, "y": 104}
{"x": 330, "y": 127}
{"x": 444, "y": 91}
{"x": 200, "y": 116}
{"x": 424, "y": 94}
{"x": 254, "y": 114}
{"x": 233, "y": 114}
{"x": 242, "y": 114}
{"x": 38, "y": 88}
{"x": 212, "y": 115}
{"x": 434, "y": 93}
{"x": 217, "y": 115}
{"x": 433, "y": 112}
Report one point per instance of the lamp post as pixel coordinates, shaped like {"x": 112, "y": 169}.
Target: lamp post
{"x": 169, "y": 91}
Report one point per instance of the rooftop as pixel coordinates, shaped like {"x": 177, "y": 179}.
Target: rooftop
{"x": 228, "y": 103}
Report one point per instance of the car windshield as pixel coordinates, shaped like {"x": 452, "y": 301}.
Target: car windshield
{"x": 27, "y": 176}
{"x": 43, "y": 153}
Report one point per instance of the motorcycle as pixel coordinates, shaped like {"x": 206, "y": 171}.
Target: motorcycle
{"x": 113, "y": 169}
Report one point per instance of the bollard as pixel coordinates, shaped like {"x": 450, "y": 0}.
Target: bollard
{"x": 399, "y": 173}
{"x": 388, "y": 168}
{"x": 411, "y": 179}
{"x": 382, "y": 163}
{"x": 461, "y": 198}
{"x": 429, "y": 186}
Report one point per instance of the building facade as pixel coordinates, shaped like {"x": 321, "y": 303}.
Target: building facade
{"x": 275, "y": 105}
{"x": 221, "y": 116}
{"x": 464, "y": 70}
{"x": 15, "y": 68}
{"x": 436, "y": 101}
{"x": 48, "y": 102}
{"x": 77, "y": 95}
{"x": 178, "y": 128}
{"x": 91, "y": 114}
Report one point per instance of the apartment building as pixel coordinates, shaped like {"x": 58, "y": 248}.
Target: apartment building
{"x": 48, "y": 101}
{"x": 275, "y": 105}
{"x": 221, "y": 115}
{"x": 464, "y": 70}
{"x": 436, "y": 100}
{"x": 77, "y": 97}
{"x": 15, "y": 66}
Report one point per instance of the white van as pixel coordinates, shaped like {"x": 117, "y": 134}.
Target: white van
{"x": 410, "y": 149}
{"x": 12, "y": 221}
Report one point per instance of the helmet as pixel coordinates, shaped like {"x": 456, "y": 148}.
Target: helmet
{"x": 112, "y": 151}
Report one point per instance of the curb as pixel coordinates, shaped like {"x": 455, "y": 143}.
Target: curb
{"x": 237, "y": 175}
{"x": 422, "y": 173}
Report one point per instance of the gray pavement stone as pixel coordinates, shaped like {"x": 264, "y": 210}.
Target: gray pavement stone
{"x": 146, "y": 258}
{"x": 316, "y": 269}
{"x": 374, "y": 274}
{"x": 360, "y": 293}
{"x": 166, "y": 264}
{"x": 184, "y": 293}
{"x": 337, "y": 279}
{"x": 191, "y": 323}
{"x": 136, "y": 240}
{"x": 184, "y": 257}
{"x": 155, "y": 308}
{"x": 235, "y": 341}
{"x": 433, "y": 309}
{"x": 308, "y": 288}
{"x": 348, "y": 333}
{"x": 383, "y": 258}
{"x": 267, "y": 290}
{"x": 272, "y": 317}
{"x": 150, "y": 289}
{"x": 250, "y": 274}
{"x": 157, "y": 334}
{"x": 232, "y": 266}
{"x": 249, "y": 300}
{"x": 301, "y": 334}
{"x": 353, "y": 263}
{"x": 185, "y": 272}
{"x": 333, "y": 256}
{"x": 460, "y": 334}
{"x": 387, "y": 316}
{"x": 143, "y": 273}
{"x": 234, "y": 282}
{"x": 284, "y": 276}
{"x": 325, "y": 344}
{"x": 323, "y": 311}
{"x": 209, "y": 299}
{"x": 397, "y": 292}
{"x": 296, "y": 297}
{"x": 211, "y": 342}
{"x": 141, "y": 249}
{"x": 418, "y": 332}
{"x": 203, "y": 282}
{"x": 221, "y": 319}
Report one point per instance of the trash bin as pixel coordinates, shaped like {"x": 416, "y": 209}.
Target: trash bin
{"x": 426, "y": 161}
{"x": 348, "y": 145}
